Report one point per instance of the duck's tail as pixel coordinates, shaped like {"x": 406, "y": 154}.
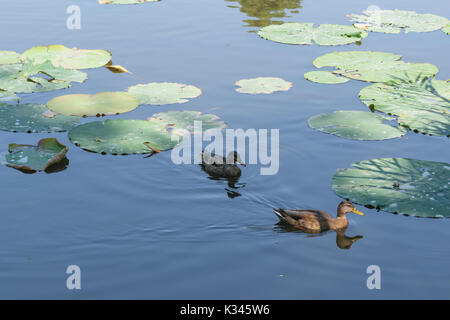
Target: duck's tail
{"x": 280, "y": 214}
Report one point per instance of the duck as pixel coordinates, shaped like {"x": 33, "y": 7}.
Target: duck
{"x": 315, "y": 221}
{"x": 218, "y": 166}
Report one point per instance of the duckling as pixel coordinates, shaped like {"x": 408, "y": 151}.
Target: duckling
{"x": 315, "y": 220}
{"x": 218, "y": 166}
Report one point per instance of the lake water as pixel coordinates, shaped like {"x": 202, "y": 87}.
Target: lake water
{"x": 146, "y": 228}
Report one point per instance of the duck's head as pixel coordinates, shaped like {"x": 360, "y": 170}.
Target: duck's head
{"x": 234, "y": 157}
{"x": 347, "y": 207}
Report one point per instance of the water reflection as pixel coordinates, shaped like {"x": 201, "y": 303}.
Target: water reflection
{"x": 342, "y": 240}
{"x": 262, "y": 13}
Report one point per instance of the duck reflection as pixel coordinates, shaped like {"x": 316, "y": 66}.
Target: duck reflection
{"x": 262, "y": 12}
{"x": 224, "y": 169}
{"x": 342, "y": 240}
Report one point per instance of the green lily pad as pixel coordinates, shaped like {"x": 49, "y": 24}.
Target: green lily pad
{"x": 373, "y": 66}
{"x": 264, "y": 85}
{"x": 305, "y": 33}
{"x": 184, "y": 120}
{"x": 27, "y": 158}
{"x": 125, "y": 1}
{"x": 61, "y": 56}
{"x": 398, "y": 185}
{"x": 356, "y": 125}
{"x": 10, "y": 57}
{"x": 421, "y": 104}
{"x": 100, "y": 104}
{"x": 33, "y": 118}
{"x": 446, "y": 28}
{"x": 393, "y": 21}
{"x": 161, "y": 93}
{"x": 30, "y": 77}
{"x": 6, "y": 96}
{"x": 123, "y": 136}
{"x": 325, "y": 77}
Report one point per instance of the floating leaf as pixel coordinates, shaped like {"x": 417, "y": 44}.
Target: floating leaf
{"x": 30, "y": 77}
{"x": 10, "y": 57}
{"x": 408, "y": 186}
{"x": 123, "y": 136}
{"x": 61, "y": 56}
{"x": 446, "y": 28}
{"x": 260, "y": 85}
{"x": 184, "y": 120}
{"x": 393, "y": 21}
{"x": 125, "y": 1}
{"x": 305, "y": 33}
{"x": 160, "y": 93}
{"x": 33, "y": 118}
{"x": 325, "y": 77}
{"x": 6, "y": 96}
{"x": 356, "y": 125}
{"x": 100, "y": 104}
{"x": 421, "y": 104}
{"x": 27, "y": 158}
{"x": 373, "y": 66}
{"x": 116, "y": 68}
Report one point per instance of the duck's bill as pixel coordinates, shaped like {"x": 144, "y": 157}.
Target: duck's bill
{"x": 242, "y": 163}
{"x": 357, "y": 212}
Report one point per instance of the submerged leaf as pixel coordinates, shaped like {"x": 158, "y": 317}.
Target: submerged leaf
{"x": 123, "y": 136}
{"x": 421, "y": 104}
{"x": 33, "y": 118}
{"x": 325, "y": 77}
{"x": 373, "y": 66}
{"x": 161, "y": 93}
{"x": 356, "y": 125}
{"x": 100, "y": 104}
{"x": 260, "y": 85}
{"x": 393, "y": 21}
{"x": 398, "y": 185}
{"x": 305, "y": 33}
{"x": 27, "y": 158}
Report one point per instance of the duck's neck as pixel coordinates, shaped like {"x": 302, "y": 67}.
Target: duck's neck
{"x": 340, "y": 222}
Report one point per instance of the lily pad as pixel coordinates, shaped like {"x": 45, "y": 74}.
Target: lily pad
{"x": 421, "y": 104}
{"x": 325, "y": 77}
{"x": 160, "y": 93}
{"x": 100, "y": 104}
{"x": 305, "y": 33}
{"x": 184, "y": 120}
{"x": 33, "y": 118}
{"x": 30, "y": 77}
{"x": 125, "y": 1}
{"x": 373, "y": 66}
{"x": 393, "y": 21}
{"x": 446, "y": 28}
{"x": 398, "y": 185}
{"x": 264, "y": 85}
{"x": 27, "y": 158}
{"x": 61, "y": 56}
{"x": 356, "y": 125}
{"x": 10, "y": 57}
{"x": 6, "y": 96}
{"x": 123, "y": 136}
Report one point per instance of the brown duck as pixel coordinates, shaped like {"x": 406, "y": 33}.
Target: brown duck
{"x": 315, "y": 220}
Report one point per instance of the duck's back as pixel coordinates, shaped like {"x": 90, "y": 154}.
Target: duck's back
{"x": 306, "y": 220}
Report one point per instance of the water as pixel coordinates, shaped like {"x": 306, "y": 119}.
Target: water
{"x": 146, "y": 228}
